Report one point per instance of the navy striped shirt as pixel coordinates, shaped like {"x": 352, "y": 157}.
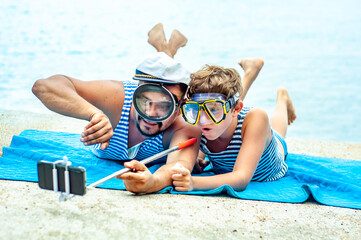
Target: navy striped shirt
{"x": 270, "y": 167}
{"x": 118, "y": 146}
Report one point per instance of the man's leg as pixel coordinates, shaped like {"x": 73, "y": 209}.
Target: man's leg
{"x": 251, "y": 67}
{"x": 176, "y": 41}
{"x": 157, "y": 39}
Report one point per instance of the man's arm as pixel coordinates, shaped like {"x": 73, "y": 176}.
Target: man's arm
{"x": 100, "y": 102}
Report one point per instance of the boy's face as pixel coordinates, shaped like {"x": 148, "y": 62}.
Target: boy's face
{"x": 211, "y": 130}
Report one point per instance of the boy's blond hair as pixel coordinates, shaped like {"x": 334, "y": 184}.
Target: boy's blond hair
{"x": 215, "y": 79}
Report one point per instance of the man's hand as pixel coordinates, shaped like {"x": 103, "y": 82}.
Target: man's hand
{"x": 139, "y": 180}
{"x": 182, "y": 179}
{"x": 98, "y": 130}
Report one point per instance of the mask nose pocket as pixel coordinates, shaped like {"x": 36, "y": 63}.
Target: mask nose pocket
{"x": 132, "y": 152}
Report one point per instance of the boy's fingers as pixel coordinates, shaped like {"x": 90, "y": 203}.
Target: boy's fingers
{"x": 177, "y": 177}
{"x": 178, "y": 183}
{"x": 178, "y": 168}
{"x": 181, "y": 171}
{"x": 181, "y": 189}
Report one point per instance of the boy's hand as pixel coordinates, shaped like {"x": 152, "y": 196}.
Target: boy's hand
{"x": 182, "y": 179}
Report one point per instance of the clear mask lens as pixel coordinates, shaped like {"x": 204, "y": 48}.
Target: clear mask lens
{"x": 190, "y": 112}
{"x": 153, "y": 102}
{"x": 216, "y": 110}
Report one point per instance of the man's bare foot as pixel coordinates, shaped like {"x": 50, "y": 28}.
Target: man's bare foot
{"x": 282, "y": 95}
{"x": 251, "y": 68}
{"x": 157, "y": 39}
{"x": 176, "y": 41}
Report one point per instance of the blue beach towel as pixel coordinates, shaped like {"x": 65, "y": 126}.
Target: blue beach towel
{"x": 330, "y": 181}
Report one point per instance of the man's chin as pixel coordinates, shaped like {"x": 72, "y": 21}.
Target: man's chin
{"x": 147, "y": 128}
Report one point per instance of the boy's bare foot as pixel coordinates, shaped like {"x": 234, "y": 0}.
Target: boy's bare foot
{"x": 176, "y": 41}
{"x": 157, "y": 39}
{"x": 282, "y": 95}
{"x": 251, "y": 68}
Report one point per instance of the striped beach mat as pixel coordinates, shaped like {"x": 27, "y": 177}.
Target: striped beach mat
{"x": 329, "y": 181}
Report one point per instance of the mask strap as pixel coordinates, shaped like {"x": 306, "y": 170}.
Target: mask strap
{"x": 231, "y": 102}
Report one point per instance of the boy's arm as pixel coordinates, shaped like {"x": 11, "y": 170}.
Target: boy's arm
{"x": 100, "y": 102}
{"x": 256, "y": 137}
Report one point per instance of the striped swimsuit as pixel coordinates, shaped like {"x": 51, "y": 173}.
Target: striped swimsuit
{"x": 118, "y": 146}
{"x": 271, "y": 165}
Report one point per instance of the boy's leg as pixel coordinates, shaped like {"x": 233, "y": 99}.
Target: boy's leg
{"x": 251, "y": 67}
{"x": 284, "y": 113}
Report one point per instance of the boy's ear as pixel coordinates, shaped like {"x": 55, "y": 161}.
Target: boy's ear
{"x": 238, "y": 107}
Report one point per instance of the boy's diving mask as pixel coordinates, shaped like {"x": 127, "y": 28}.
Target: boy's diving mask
{"x": 154, "y": 102}
{"x": 215, "y": 105}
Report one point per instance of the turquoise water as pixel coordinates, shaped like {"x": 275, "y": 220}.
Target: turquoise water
{"x": 311, "y": 47}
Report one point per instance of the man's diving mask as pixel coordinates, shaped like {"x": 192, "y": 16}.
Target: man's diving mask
{"x": 154, "y": 102}
{"x": 215, "y": 105}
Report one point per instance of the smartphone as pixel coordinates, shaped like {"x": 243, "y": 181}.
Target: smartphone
{"x": 77, "y": 177}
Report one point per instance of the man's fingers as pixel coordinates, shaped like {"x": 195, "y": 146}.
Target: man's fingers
{"x": 99, "y": 139}
{"x": 96, "y": 118}
{"x": 103, "y": 139}
{"x": 136, "y": 173}
{"x": 103, "y": 135}
{"x": 104, "y": 145}
{"x": 131, "y": 176}
{"x": 95, "y": 128}
{"x": 136, "y": 165}
{"x": 90, "y": 124}
{"x": 95, "y": 131}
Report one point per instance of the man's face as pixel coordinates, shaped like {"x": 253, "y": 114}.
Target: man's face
{"x": 149, "y": 128}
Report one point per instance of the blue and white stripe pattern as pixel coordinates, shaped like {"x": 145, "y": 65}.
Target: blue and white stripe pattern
{"x": 271, "y": 165}
{"x": 118, "y": 146}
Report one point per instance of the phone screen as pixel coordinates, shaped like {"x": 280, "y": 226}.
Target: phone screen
{"x": 77, "y": 177}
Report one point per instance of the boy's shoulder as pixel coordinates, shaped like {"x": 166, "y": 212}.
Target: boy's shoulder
{"x": 255, "y": 114}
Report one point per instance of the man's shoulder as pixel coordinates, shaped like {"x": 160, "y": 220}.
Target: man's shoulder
{"x": 129, "y": 83}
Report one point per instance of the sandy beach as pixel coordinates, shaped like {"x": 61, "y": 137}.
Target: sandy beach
{"x": 27, "y": 212}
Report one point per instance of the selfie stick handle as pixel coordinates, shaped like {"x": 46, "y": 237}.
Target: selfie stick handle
{"x": 145, "y": 161}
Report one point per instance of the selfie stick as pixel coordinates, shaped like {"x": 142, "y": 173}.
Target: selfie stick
{"x": 145, "y": 161}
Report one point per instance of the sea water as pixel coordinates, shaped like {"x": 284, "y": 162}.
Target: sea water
{"x": 313, "y": 48}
